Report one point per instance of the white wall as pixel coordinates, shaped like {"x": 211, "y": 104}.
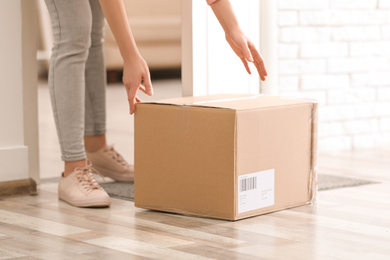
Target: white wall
{"x": 338, "y": 51}
{"x": 17, "y": 100}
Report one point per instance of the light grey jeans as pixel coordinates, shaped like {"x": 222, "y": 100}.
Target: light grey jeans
{"x": 77, "y": 77}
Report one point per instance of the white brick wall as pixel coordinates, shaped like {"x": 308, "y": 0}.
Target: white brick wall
{"x": 354, "y": 4}
{"x": 384, "y": 4}
{"x": 324, "y": 49}
{"x": 338, "y": 52}
{"x": 302, "y": 4}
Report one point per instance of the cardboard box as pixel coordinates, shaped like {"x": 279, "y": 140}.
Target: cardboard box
{"x": 225, "y": 156}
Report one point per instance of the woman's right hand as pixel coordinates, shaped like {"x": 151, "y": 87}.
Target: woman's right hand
{"x": 136, "y": 72}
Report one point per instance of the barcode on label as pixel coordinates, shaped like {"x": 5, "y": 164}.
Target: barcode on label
{"x": 248, "y": 184}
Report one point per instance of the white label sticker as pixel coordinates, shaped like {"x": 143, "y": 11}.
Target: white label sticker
{"x": 256, "y": 190}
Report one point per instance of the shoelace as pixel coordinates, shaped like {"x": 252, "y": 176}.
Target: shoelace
{"x": 116, "y": 156}
{"x": 86, "y": 178}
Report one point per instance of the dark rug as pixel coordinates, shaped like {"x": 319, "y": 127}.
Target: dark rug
{"x": 120, "y": 190}
{"x": 125, "y": 191}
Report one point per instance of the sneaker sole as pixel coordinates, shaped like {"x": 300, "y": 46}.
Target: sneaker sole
{"x": 93, "y": 204}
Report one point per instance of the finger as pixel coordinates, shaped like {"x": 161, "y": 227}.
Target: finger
{"x": 255, "y": 53}
{"x": 260, "y": 70}
{"x": 148, "y": 85}
{"x": 245, "y": 50}
{"x": 143, "y": 89}
{"x": 132, "y": 93}
{"x": 262, "y": 67}
{"x": 245, "y": 62}
{"x": 132, "y": 106}
{"x": 259, "y": 62}
{"x": 138, "y": 99}
{"x": 262, "y": 77}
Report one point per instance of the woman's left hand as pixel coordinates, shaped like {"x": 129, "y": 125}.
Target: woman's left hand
{"x": 247, "y": 52}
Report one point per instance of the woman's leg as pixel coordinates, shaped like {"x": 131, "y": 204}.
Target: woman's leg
{"x": 71, "y": 22}
{"x": 95, "y": 84}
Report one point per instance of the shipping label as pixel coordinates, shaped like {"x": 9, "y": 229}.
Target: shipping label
{"x": 256, "y": 190}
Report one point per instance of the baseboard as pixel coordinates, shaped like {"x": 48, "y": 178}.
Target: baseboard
{"x": 18, "y": 187}
{"x": 14, "y": 163}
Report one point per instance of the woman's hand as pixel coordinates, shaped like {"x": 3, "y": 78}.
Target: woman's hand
{"x": 136, "y": 72}
{"x": 246, "y": 51}
{"x": 240, "y": 44}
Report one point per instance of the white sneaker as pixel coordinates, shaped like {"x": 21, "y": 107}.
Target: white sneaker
{"x": 111, "y": 164}
{"x": 81, "y": 189}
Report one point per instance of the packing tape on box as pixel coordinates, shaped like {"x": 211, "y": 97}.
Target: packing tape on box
{"x": 226, "y": 99}
{"x": 313, "y": 183}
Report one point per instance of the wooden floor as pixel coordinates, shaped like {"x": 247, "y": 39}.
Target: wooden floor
{"x": 349, "y": 223}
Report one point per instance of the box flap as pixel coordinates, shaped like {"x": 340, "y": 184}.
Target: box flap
{"x": 233, "y": 101}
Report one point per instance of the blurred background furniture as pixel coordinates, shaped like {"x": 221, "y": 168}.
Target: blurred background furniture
{"x": 156, "y": 26}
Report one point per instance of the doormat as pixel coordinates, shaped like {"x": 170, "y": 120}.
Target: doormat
{"x": 330, "y": 182}
{"x": 125, "y": 191}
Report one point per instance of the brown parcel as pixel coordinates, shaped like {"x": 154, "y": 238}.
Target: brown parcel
{"x": 225, "y": 156}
